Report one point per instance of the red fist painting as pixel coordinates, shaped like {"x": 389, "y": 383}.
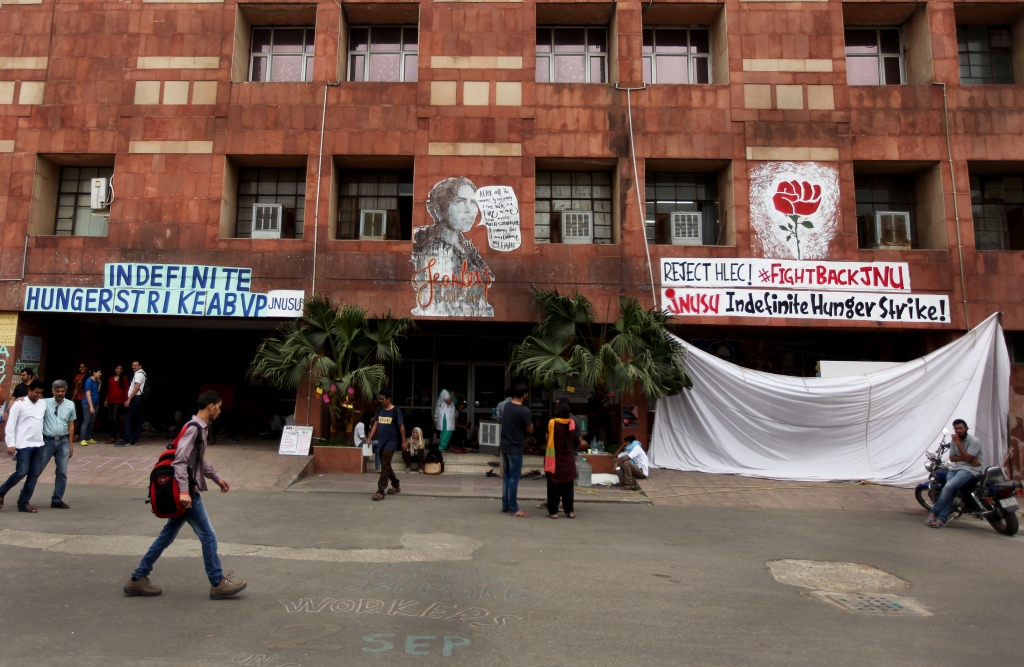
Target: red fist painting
{"x": 794, "y": 197}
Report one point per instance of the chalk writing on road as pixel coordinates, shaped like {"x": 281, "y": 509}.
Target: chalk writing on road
{"x": 438, "y": 611}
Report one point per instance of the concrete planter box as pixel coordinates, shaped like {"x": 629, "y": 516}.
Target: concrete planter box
{"x": 600, "y": 463}
{"x": 345, "y": 460}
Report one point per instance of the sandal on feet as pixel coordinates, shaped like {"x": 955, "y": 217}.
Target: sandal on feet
{"x": 552, "y": 516}
{"x": 542, "y": 506}
{"x": 1, "y": 502}
{"x": 393, "y": 491}
{"x": 571, "y": 515}
{"x": 378, "y": 496}
{"x": 521, "y": 514}
{"x": 28, "y": 508}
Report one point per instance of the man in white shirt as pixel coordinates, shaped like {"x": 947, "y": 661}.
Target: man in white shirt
{"x": 25, "y": 444}
{"x": 133, "y": 402}
{"x": 633, "y": 464}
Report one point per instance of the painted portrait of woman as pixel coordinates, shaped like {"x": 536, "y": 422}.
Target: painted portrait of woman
{"x": 450, "y": 278}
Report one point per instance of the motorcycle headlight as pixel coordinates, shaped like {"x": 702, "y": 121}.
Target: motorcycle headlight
{"x": 929, "y": 466}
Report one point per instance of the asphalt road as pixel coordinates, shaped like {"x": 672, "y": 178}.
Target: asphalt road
{"x": 454, "y": 582}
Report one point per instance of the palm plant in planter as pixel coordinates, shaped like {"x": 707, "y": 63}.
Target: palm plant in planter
{"x": 634, "y": 354}
{"x": 344, "y": 350}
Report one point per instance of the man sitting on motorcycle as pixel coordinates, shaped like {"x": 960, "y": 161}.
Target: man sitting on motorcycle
{"x": 966, "y": 458}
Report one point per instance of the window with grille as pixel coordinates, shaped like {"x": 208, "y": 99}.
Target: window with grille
{"x": 383, "y": 53}
{"x": 985, "y": 54}
{"x": 677, "y": 55}
{"x": 884, "y": 193}
{"x": 874, "y": 56}
{"x": 668, "y": 193}
{"x": 259, "y": 185}
{"x": 572, "y": 54}
{"x": 75, "y": 216}
{"x": 369, "y": 198}
{"x": 561, "y": 191}
{"x": 997, "y": 204}
{"x": 282, "y": 54}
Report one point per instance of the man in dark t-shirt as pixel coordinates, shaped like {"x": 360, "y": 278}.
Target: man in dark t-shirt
{"x": 516, "y": 423}
{"x": 389, "y": 431}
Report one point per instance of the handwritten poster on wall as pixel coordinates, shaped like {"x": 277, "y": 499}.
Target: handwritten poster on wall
{"x": 775, "y": 273}
{"x": 8, "y": 329}
{"x": 499, "y": 212}
{"x": 807, "y": 305}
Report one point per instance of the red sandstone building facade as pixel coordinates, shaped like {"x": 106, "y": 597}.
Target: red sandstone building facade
{"x": 304, "y": 141}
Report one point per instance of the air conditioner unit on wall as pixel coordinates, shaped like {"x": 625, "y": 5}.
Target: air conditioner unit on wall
{"x": 577, "y": 226}
{"x": 490, "y": 437}
{"x": 266, "y": 221}
{"x": 685, "y": 229}
{"x": 892, "y": 230}
{"x": 373, "y": 224}
{"x": 98, "y": 199}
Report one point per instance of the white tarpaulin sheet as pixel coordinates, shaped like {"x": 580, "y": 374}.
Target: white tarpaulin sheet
{"x": 873, "y": 427}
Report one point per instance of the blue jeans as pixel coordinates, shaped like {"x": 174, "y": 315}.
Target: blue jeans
{"x": 28, "y": 463}
{"x": 60, "y": 450}
{"x": 200, "y": 522}
{"x": 510, "y": 482}
{"x": 954, "y": 480}
{"x": 88, "y": 419}
{"x": 133, "y": 421}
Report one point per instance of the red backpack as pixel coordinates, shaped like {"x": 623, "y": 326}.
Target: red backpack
{"x": 163, "y": 487}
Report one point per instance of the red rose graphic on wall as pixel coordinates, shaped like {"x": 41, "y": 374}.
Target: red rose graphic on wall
{"x": 794, "y": 199}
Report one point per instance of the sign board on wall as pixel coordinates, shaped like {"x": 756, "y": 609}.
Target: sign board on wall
{"x": 784, "y": 273}
{"x": 168, "y": 289}
{"x": 807, "y": 305}
{"x": 31, "y": 349}
{"x": 295, "y": 440}
{"x": 8, "y": 329}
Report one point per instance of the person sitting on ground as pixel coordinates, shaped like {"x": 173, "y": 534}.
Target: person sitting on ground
{"x": 417, "y": 449}
{"x": 633, "y": 464}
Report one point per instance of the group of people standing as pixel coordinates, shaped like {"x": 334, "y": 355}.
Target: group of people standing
{"x": 39, "y": 429}
{"x": 123, "y": 397}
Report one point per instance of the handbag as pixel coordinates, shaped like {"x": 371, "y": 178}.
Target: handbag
{"x": 367, "y": 449}
{"x": 432, "y": 465}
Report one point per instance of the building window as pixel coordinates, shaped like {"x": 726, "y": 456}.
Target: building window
{"x": 985, "y": 54}
{"x": 383, "y": 53}
{"x": 874, "y": 56}
{"x": 286, "y": 187}
{"x": 682, "y": 209}
{"x": 75, "y": 216}
{"x": 282, "y": 54}
{"x": 572, "y": 55}
{"x": 997, "y": 204}
{"x": 571, "y": 192}
{"x": 677, "y": 55}
{"x": 376, "y": 205}
{"x": 885, "y": 211}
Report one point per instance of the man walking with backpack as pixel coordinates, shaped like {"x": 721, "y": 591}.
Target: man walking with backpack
{"x": 191, "y": 469}
{"x": 133, "y": 418}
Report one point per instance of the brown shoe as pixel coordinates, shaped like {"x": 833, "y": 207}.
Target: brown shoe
{"x": 226, "y": 588}
{"x": 141, "y": 587}
{"x": 61, "y": 505}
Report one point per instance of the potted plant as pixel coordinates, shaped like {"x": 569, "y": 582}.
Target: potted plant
{"x": 346, "y": 353}
{"x": 635, "y": 355}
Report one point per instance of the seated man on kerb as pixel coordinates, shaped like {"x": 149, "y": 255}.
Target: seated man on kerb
{"x": 633, "y": 463}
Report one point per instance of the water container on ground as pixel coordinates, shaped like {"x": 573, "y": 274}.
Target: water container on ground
{"x": 583, "y": 473}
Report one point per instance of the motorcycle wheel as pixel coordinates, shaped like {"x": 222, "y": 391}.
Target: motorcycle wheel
{"x": 923, "y": 498}
{"x": 1005, "y": 522}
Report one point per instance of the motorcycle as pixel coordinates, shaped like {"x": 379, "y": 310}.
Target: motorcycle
{"x": 989, "y": 496}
